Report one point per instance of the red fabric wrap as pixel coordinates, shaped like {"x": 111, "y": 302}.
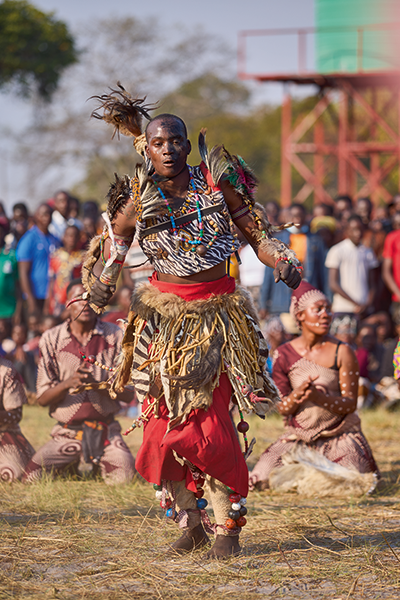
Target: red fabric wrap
{"x": 207, "y": 439}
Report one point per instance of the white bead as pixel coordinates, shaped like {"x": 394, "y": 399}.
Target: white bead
{"x": 344, "y": 384}
{"x": 344, "y": 373}
{"x": 325, "y": 405}
{"x": 344, "y": 399}
{"x": 353, "y": 383}
{"x": 340, "y": 408}
{"x": 158, "y": 494}
{"x": 243, "y": 501}
{"x": 236, "y": 506}
{"x": 357, "y": 372}
{"x": 351, "y": 373}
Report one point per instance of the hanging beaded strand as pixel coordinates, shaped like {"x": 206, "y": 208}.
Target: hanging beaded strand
{"x": 92, "y": 360}
{"x": 197, "y": 245}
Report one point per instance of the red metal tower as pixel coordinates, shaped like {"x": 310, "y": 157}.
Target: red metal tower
{"x": 360, "y": 159}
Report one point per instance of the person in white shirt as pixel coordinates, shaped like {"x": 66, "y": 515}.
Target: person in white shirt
{"x": 351, "y": 266}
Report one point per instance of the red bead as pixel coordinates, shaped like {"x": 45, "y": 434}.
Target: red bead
{"x": 91, "y": 359}
{"x": 243, "y": 426}
{"x": 241, "y": 522}
{"x": 230, "y": 524}
{"x": 166, "y": 504}
{"x": 199, "y": 493}
{"x": 234, "y": 498}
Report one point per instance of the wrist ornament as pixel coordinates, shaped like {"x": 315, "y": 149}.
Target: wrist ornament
{"x": 295, "y": 263}
{"x": 118, "y": 250}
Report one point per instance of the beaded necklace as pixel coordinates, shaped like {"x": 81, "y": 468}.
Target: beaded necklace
{"x": 196, "y": 244}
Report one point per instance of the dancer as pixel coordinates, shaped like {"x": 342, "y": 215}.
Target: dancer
{"x": 192, "y": 340}
{"x": 317, "y": 377}
{"x": 15, "y": 450}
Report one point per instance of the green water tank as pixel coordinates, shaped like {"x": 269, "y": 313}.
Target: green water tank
{"x": 339, "y": 47}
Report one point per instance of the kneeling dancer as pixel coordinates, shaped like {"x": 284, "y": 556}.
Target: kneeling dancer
{"x": 15, "y": 450}
{"x": 192, "y": 340}
{"x": 323, "y": 451}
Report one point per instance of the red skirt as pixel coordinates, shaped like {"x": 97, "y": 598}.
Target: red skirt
{"x": 207, "y": 438}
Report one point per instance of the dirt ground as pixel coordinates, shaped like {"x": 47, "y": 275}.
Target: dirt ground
{"x": 72, "y": 539}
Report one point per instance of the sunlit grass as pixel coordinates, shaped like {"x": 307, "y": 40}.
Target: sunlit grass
{"x": 73, "y": 539}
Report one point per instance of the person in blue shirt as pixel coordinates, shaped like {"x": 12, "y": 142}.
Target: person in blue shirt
{"x": 274, "y": 297}
{"x": 33, "y": 255}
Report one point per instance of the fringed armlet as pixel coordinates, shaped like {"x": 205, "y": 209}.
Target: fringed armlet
{"x": 119, "y": 195}
{"x": 220, "y": 162}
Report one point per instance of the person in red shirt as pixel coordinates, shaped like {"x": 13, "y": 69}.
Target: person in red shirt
{"x": 391, "y": 261}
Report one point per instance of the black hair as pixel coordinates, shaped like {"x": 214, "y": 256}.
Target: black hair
{"x": 73, "y": 283}
{"x": 300, "y": 206}
{"x": 328, "y": 208}
{"x": 346, "y": 198}
{"x": 21, "y": 206}
{"x": 167, "y": 116}
{"x": 72, "y": 227}
{"x": 367, "y": 200}
{"x": 355, "y": 217}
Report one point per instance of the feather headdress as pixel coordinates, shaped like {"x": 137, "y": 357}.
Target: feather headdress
{"x": 123, "y": 112}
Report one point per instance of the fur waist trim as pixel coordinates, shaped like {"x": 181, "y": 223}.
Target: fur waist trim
{"x": 188, "y": 344}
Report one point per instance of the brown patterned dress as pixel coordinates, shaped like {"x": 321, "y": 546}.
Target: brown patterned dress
{"x": 338, "y": 437}
{"x": 15, "y": 450}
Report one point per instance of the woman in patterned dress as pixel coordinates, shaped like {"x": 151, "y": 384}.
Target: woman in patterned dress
{"x": 317, "y": 377}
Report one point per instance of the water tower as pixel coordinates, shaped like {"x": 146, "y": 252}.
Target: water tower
{"x": 352, "y": 135}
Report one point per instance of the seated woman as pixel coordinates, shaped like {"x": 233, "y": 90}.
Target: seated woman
{"x": 15, "y": 450}
{"x": 317, "y": 377}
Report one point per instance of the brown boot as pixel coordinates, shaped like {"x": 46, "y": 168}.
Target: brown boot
{"x": 225, "y": 546}
{"x": 191, "y": 539}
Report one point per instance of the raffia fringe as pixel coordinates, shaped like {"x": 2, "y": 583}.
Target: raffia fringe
{"x": 184, "y": 352}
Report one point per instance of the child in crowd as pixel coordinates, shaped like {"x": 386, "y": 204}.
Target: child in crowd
{"x": 24, "y": 360}
{"x": 65, "y": 265}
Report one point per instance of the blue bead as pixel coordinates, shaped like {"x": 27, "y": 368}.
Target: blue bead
{"x": 201, "y": 503}
{"x": 169, "y": 513}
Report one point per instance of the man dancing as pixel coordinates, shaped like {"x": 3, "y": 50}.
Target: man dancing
{"x": 192, "y": 341}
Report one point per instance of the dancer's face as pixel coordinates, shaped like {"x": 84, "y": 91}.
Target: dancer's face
{"x": 167, "y": 146}
{"x": 317, "y": 318}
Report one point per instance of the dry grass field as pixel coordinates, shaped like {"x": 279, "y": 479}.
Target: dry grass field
{"x": 78, "y": 539}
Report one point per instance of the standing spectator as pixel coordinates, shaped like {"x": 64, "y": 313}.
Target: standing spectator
{"x": 18, "y": 225}
{"x": 274, "y": 297}
{"x": 342, "y": 211}
{"x": 60, "y": 218}
{"x": 123, "y": 300}
{"x": 65, "y": 265}
{"x": 74, "y": 208}
{"x": 351, "y": 267}
{"x": 391, "y": 261}
{"x": 15, "y": 450}
{"x": 343, "y": 208}
{"x": 309, "y": 248}
{"x": 144, "y": 269}
{"x": 24, "y": 360}
{"x": 85, "y": 420}
{"x": 33, "y": 255}
{"x": 251, "y": 272}
{"x": 272, "y": 212}
{"x": 363, "y": 209}
{"x": 10, "y": 297}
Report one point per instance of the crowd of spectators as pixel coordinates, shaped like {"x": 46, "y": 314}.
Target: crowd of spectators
{"x": 350, "y": 250}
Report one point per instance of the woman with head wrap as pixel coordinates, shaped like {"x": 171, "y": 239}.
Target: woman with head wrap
{"x": 317, "y": 377}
